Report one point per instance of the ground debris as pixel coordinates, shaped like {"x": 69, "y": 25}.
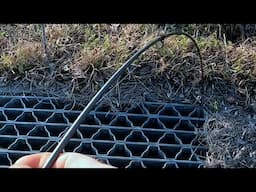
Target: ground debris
{"x": 231, "y": 138}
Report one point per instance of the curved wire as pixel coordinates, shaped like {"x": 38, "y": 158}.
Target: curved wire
{"x": 104, "y": 88}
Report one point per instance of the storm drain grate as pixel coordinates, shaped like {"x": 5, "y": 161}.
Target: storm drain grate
{"x": 147, "y": 135}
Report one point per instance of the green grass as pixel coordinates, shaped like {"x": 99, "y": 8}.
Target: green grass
{"x": 95, "y": 51}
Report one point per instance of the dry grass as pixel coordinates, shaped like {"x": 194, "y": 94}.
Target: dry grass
{"x": 81, "y": 57}
{"x": 231, "y": 139}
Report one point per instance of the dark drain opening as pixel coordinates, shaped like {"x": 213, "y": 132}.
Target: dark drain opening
{"x": 88, "y": 132}
{"x": 137, "y": 136}
{"x": 121, "y": 121}
{"x": 2, "y": 117}
{"x": 49, "y": 146}
{"x": 169, "y": 123}
{"x": 186, "y": 154}
{"x": 15, "y": 103}
{"x": 170, "y": 165}
{"x": 186, "y": 138}
{"x": 24, "y": 128}
{"x": 153, "y": 152}
{"x": 4, "y": 159}
{"x": 37, "y": 144}
{"x": 71, "y": 146}
{"x": 20, "y": 145}
{"x": 91, "y": 120}
{"x": 119, "y": 163}
{"x": 153, "y": 123}
{"x": 72, "y": 117}
{"x": 4, "y": 101}
{"x": 170, "y": 152}
{"x": 57, "y": 118}
{"x": 6, "y": 142}
{"x": 103, "y": 134}
{"x": 12, "y": 114}
{"x": 184, "y": 111}
{"x": 55, "y": 130}
{"x": 136, "y": 164}
{"x": 105, "y": 118}
{"x": 119, "y": 150}
{"x": 39, "y": 131}
{"x": 8, "y": 130}
{"x": 137, "y": 121}
{"x": 86, "y": 148}
{"x": 102, "y": 148}
{"x": 29, "y": 103}
{"x": 136, "y": 150}
{"x": 169, "y": 139}
{"x": 185, "y": 126}
{"x": 153, "y": 136}
{"x": 42, "y": 116}
{"x": 120, "y": 134}
{"x": 27, "y": 117}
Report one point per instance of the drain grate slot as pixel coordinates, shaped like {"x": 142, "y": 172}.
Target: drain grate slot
{"x": 5, "y": 160}
{"x": 119, "y": 163}
{"x": 170, "y": 152}
{"x": 153, "y": 123}
{"x": 20, "y": 145}
{"x": 4, "y": 101}
{"x": 153, "y": 153}
{"x": 137, "y": 136}
{"x": 136, "y": 164}
{"x": 137, "y": 150}
{"x": 148, "y": 135}
{"x": 137, "y": 121}
{"x": 14, "y": 103}
{"x": 103, "y": 134}
{"x": 103, "y": 148}
{"x": 42, "y": 115}
{"x": 12, "y": 114}
{"x": 39, "y": 131}
{"x": 8, "y": 130}
{"x": 6, "y": 142}
{"x": 27, "y": 117}
{"x": 86, "y": 148}
{"x": 36, "y": 143}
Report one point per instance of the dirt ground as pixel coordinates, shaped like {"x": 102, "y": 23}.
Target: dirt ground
{"x": 75, "y": 60}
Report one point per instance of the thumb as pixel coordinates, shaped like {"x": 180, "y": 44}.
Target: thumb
{"x": 19, "y": 166}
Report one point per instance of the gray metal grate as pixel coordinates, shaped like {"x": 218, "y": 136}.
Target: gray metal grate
{"x": 147, "y": 135}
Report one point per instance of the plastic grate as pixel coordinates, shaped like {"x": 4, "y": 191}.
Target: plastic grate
{"x": 150, "y": 134}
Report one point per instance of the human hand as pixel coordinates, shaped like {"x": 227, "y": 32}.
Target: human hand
{"x": 65, "y": 160}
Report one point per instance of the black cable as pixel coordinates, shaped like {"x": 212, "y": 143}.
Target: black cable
{"x": 50, "y": 161}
